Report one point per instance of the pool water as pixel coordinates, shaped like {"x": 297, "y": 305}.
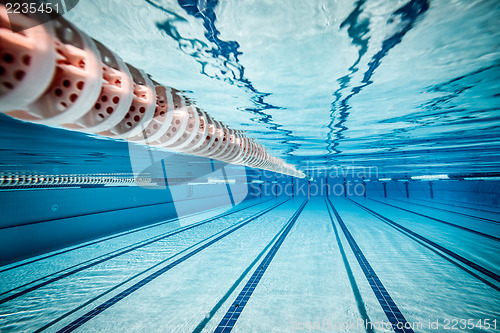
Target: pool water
{"x": 406, "y": 86}
{"x": 145, "y": 280}
{"x": 391, "y": 108}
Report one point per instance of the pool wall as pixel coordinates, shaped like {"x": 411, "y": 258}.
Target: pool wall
{"x": 471, "y": 191}
{"x": 39, "y": 220}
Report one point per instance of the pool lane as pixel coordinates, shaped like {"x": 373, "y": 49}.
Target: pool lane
{"x": 452, "y": 210}
{"x": 306, "y": 285}
{"x": 40, "y": 306}
{"x": 26, "y": 273}
{"x": 391, "y": 310}
{"x": 25, "y": 278}
{"x": 425, "y": 286}
{"x": 179, "y": 297}
{"x": 459, "y": 241}
{"x": 229, "y": 320}
{"x": 486, "y": 211}
{"x": 481, "y": 227}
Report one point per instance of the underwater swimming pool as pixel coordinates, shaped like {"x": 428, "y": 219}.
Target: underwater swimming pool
{"x": 334, "y": 168}
{"x": 340, "y": 265}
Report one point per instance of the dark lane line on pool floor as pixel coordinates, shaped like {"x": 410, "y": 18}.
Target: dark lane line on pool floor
{"x": 443, "y": 255}
{"x": 92, "y": 300}
{"x": 391, "y": 310}
{"x": 137, "y": 275}
{"x": 115, "y": 299}
{"x": 440, "y": 221}
{"x": 355, "y": 290}
{"x": 50, "y": 255}
{"x": 199, "y": 328}
{"x": 232, "y": 211}
{"x": 229, "y": 320}
{"x": 109, "y": 256}
{"x": 452, "y": 254}
{"x": 447, "y": 210}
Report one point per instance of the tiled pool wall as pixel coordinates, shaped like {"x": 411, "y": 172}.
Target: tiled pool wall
{"x": 481, "y": 192}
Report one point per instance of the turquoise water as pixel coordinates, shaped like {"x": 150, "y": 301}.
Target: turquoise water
{"x": 392, "y": 89}
{"x": 146, "y": 281}
{"x": 404, "y": 86}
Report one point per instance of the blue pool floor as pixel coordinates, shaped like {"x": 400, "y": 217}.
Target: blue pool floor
{"x": 314, "y": 273}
